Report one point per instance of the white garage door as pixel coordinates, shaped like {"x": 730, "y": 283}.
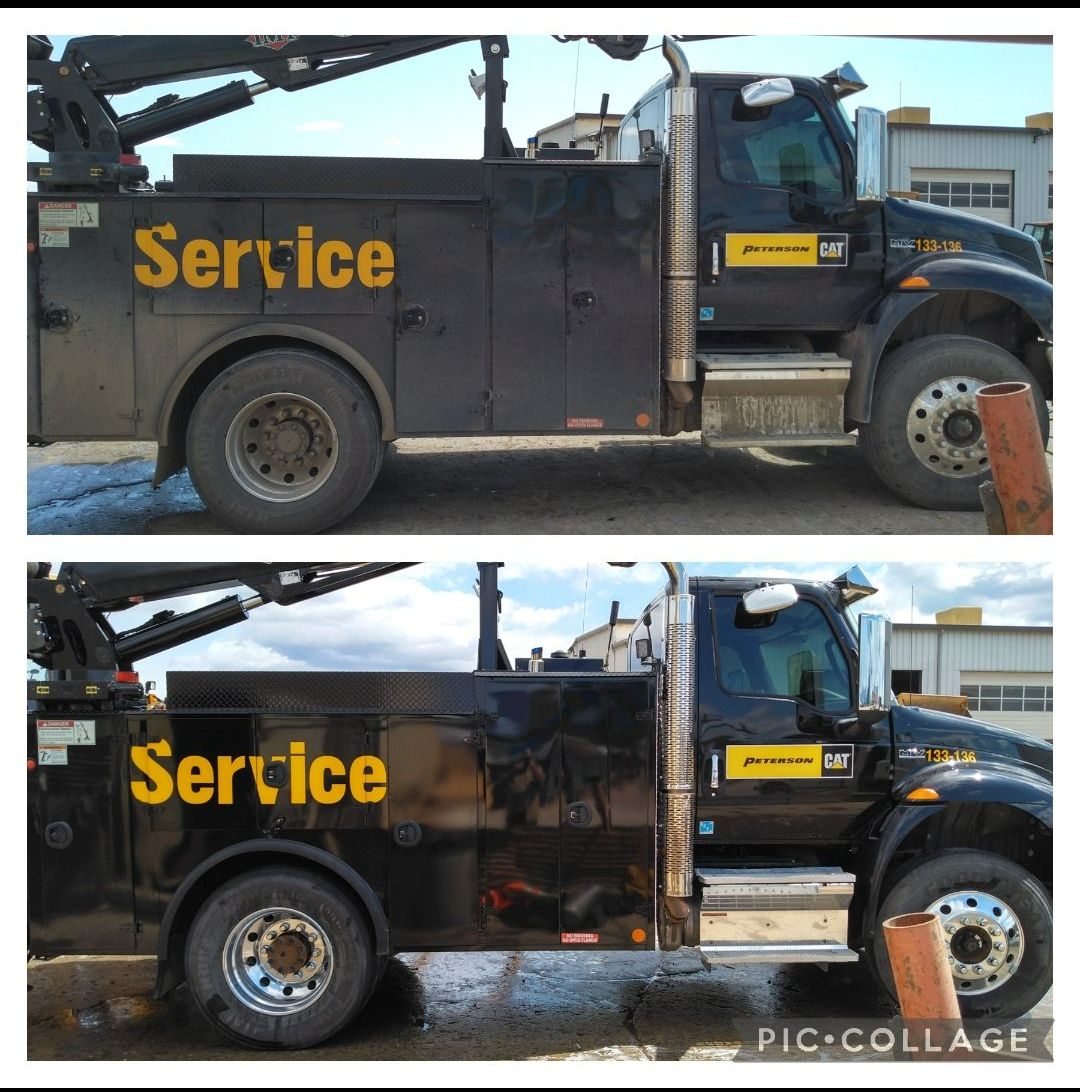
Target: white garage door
{"x": 1024, "y": 701}
{"x": 984, "y": 193}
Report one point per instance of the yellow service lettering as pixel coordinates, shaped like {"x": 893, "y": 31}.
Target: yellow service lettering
{"x": 204, "y": 263}
{"x": 160, "y": 787}
{"x": 195, "y": 780}
{"x": 203, "y": 780}
{"x": 200, "y": 263}
{"x": 323, "y": 790}
{"x": 164, "y": 271}
{"x": 367, "y": 779}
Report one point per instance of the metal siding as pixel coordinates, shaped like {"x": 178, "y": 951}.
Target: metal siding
{"x": 1029, "y": 156}
{"x": 968, "y": 649}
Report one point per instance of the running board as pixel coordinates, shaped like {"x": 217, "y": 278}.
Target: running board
{"x": 778, "y": 953}
{"x": 774, "y": 400}
{"x": 775, "y": 915}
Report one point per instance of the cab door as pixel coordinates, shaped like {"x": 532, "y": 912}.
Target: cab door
{"x": 783, "y": 243}
{"x": 781, "y": 756}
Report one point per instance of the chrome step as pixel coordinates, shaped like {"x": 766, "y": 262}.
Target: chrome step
{"x": 778, "y": 953}
{"x": 770, "y": 915}
{"x": 774, "y": 399}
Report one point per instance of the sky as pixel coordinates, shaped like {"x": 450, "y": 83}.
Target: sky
{"x": 424, "y": 107}
{"x": 426, "y": 618}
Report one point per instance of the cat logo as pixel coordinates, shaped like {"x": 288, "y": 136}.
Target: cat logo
{"x": 838, "y": 760}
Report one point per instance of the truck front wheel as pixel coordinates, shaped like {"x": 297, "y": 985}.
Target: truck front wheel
{"x": 997, "y": 922}
{"x": 280, "y": 958}
{"x": 924, "y": 439}
{"x": 285, "y": 440}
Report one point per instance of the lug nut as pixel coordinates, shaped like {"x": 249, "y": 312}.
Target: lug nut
{"x": 993, "y": 961}
{"x": 999, "y": 946}
{"x": 950, "y": 928}
{"x": 978, "y": 968}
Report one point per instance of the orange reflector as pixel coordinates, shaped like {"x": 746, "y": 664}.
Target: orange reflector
{"x": 127, "y": 676}
{"x": 637, "y": 936}
{"x": 32, "y": 765}
{"x": 914, "y": 282}
{"x": 643, "y": 420}
{"x": 923, "y": 794}
{"x": 30, "y": 247}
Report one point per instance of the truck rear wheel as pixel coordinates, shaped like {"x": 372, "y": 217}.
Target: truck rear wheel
{"x": 924, "y": 439}
{"x": 998, "y": 924}
{"x": 285, "y": 440}
{"x": 280, "y": 959}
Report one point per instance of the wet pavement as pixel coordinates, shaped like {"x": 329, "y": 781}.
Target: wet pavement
{"x": 516, "y": 485}
{"x": 471, "y": 1006}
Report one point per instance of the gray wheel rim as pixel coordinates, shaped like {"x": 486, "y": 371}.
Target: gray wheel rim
{"x": 277, "y": 961}
{"x": 943, "y": 428}
{"x": 984, "y": 941}
{"x": 281, "y": 447}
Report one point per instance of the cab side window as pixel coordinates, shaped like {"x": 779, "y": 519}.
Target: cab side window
{"x": 790, "y": 653}
{"x": 786, "y": 146}
{"x": 649, "y": 115}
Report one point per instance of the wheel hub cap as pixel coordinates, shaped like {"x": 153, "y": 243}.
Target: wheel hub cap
{"x": 984, "y": 942}
{"x": 277, "y": 960}
{"x": 944, "y": 430}
{"x": 281, "y": 447}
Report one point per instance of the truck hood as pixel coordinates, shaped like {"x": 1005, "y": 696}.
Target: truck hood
{"x": 917, "y": 731}
{"x": 906, "y": 222}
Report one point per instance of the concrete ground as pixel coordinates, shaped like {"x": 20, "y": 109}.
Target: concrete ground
{"x": 469, "y": 1006}
{"x": 517, "y": 485}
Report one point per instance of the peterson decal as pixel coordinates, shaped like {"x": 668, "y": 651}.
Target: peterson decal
{"x": 805, "y": 760}
{"x": 784, "y": 250}
{"x": 195, "y": 779}
{"x": 204, "y": 263}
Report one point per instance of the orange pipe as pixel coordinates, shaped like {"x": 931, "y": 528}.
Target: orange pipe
{"x": 1017, "y": 454}
{"x": 917, "y": 954}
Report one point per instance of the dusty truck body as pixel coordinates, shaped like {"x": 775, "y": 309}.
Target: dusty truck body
{"x": 274, "y": 322}
{"x": 747, "y": 789}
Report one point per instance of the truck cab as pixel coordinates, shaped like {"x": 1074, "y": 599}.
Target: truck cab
{"x": 825, "y": 305}
{"x": 819, "y": 803}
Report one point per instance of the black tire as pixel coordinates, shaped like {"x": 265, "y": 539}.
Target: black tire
{"x": 254, "y": 459}
{"x": 1008, "y": 888}
{"x": 908, "y": 460}
{"x": 247, "y": 1002}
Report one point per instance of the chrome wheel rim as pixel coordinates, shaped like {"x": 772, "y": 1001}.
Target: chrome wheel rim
{"x": 277, "y": 961}
{"x": 944, "y": 430}
{"x": 281, "y": 447}
{"x": 984, "y": 942}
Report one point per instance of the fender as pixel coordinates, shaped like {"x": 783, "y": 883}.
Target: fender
{"x": 985, "y": 783}
{"x": 983, "y": 273}
{"x": 170, "y": 460}
{"x": 170, "y": 976}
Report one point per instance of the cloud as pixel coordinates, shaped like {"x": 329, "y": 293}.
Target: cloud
{"x": 325, "y": 125}
{"x": 162, "y": 142}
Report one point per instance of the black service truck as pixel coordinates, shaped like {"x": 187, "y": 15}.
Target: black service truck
{"x": 273, "y": 322}
{"x": 747, "y": 788}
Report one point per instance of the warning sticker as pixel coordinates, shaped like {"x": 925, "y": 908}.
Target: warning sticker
{"x": 68, "y": 214}
{"x": 581, "y": 938}
{"x": 53, "y": 237}
{"x": 52, "y": 755}
{"x": 75, "y": 732}
{"x": 584, "y": 422}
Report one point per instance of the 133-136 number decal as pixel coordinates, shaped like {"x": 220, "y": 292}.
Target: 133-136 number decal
{"x": 937, "y": 246}
{"x": 945, "y": 754}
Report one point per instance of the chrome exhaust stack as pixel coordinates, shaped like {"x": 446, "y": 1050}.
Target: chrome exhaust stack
{"x": 678, "y": 716}
{"x": 679, "y": 268}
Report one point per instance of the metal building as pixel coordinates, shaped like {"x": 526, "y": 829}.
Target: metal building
{"x": 582, "y": 131}
{"x": 1003, "y": 173}
{"x": 596, "y": 644}
{"x": 1006, "y": 672}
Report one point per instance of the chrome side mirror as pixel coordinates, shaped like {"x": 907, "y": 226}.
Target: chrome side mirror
{"x": 871, "y": 156}
{"x": 771, "y": 598}
{"x": 875, "y": 667}
{"x": 768, "y": 92}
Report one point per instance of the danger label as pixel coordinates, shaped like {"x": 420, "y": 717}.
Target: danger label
{"x": 581, "y": 938}
{"x": 74, "y": 732}
{"x": 68, "y": 214}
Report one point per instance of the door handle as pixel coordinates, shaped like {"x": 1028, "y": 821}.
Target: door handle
{"x": 714, "y": 776}
{"x": 716, "y": 259}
